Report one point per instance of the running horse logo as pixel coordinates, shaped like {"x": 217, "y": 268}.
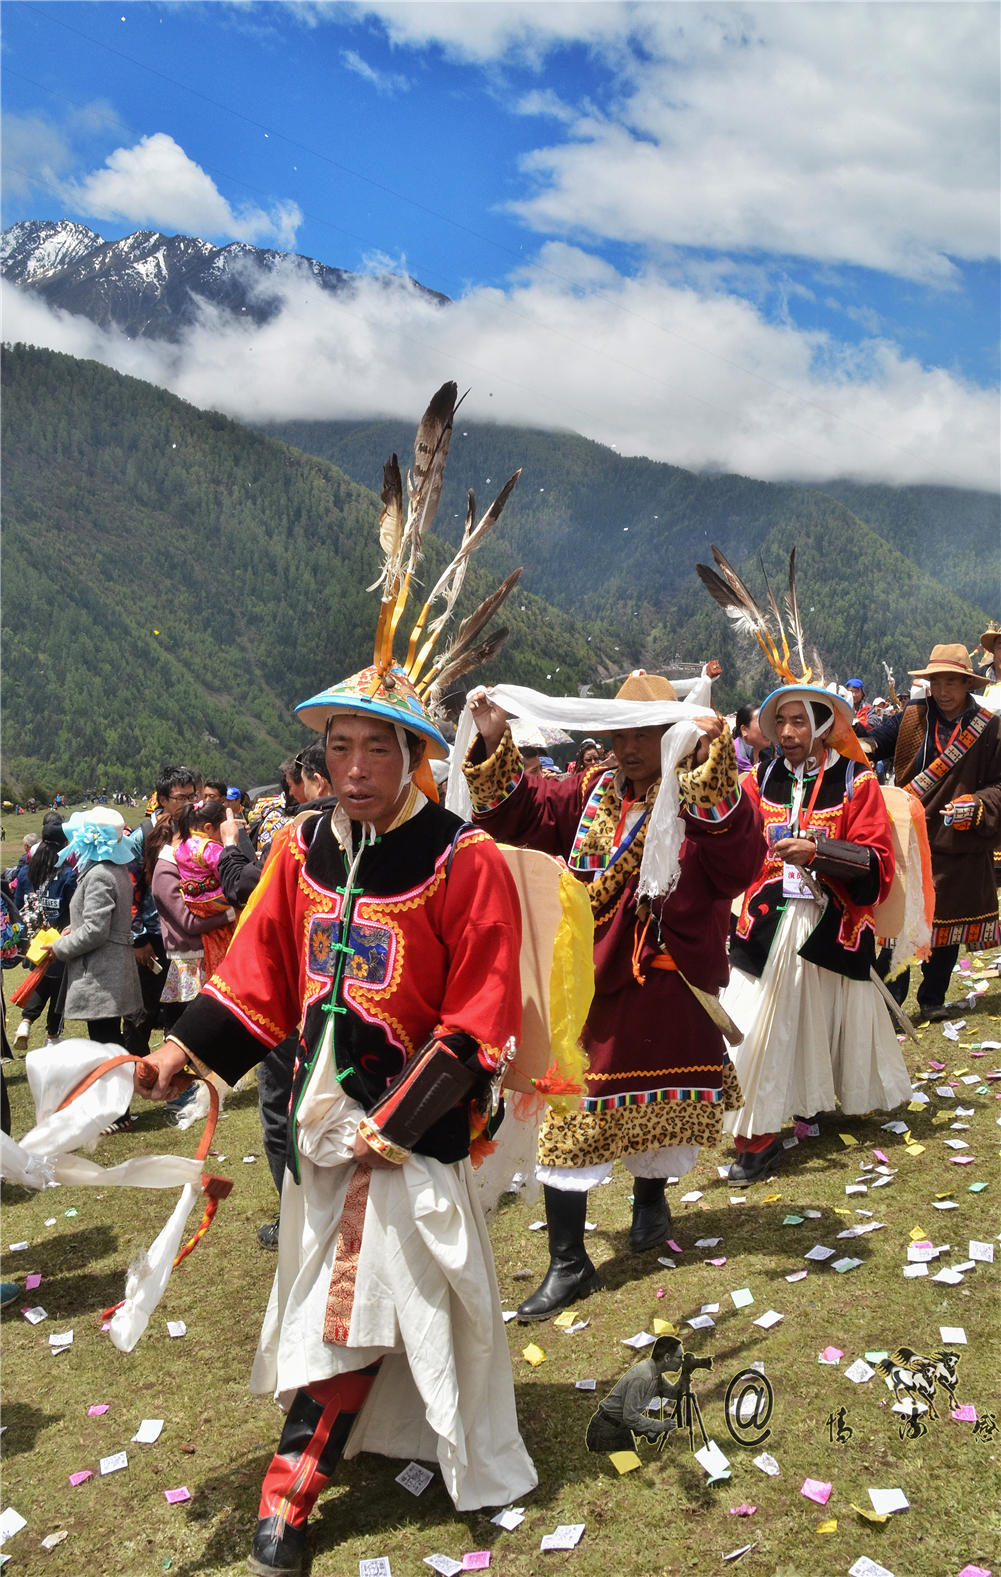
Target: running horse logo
{"x": 917, "y": 1376}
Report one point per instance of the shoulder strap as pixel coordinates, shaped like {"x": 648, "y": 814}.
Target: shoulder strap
{"x": 762, "y": 781}
{"x": 467, "y": 826}
{"x": 850, "y": 771}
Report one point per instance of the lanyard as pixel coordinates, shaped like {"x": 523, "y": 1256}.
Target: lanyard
{"x": 797, "y": 813}
{"x": 952, "y": 740}
{"x": 627, "y": 805}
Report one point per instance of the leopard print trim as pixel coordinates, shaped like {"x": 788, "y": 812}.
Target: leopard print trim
{"x": 711, "y": 790}
{"x": 733, "y": 1095}
{"x": 587, "y": 1138}
{"x": 492, "y": 781}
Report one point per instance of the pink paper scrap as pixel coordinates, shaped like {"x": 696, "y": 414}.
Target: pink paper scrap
{"x": 32, "y": 1281}
{"x": 715, "y": 1261}
{"x": 676, "y": 1246}
{"x": 967, "y": 1414}
{"x": 801, "y": 1130}
{"x": 816, "y": 1489}
{"x": 832, "y": 1354}
{"x": 174, "y": 1496}
{"x": 743, "y": 1511}
{"x": 476, "y": 1561}
{"x": 975, "y": 1571}
{"x": 881, "y": 1157}
{"x": 938, "y": 1066}
{"x": 78, "y": 1478}
{"x": 98, "y": 1409}
{"x": 962, "y": 1160}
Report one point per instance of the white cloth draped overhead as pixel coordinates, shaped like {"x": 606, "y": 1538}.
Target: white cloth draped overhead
{"x": 45, "y": 1156}
{"x": 661, "y": 865}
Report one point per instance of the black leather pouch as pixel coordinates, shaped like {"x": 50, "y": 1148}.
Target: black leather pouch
{"x": 430, "y": 1085}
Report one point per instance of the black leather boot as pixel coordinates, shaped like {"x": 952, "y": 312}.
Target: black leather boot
{"x": 277, "y": 1549}
{"x": 570, "y": 1276}
{"x": 651, "y": 1214}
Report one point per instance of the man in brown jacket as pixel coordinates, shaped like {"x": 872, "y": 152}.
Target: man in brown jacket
{"x": 947, "y": 752}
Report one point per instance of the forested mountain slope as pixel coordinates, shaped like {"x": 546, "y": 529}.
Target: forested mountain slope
{"x": 174, "y": 583}
{"x": 617, "y": 539}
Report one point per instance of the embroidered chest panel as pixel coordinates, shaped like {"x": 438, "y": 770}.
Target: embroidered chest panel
{"x": 372, "y": 950}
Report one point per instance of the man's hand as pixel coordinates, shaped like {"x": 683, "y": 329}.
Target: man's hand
{"x": 490, "y": 720}
{"x": 229, "y": 830}
{"x": 145, "y": 955}
{"x": 366, "y": 1156}
{"x": 713, "y": 727}
{"x": 794, "y": 851}
{"x": 168, "y": 1059}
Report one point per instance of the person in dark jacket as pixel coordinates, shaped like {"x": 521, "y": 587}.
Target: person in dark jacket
{"x": 53, "y": 886}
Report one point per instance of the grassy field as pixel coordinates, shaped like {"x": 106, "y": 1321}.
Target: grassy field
{"x": 661, "y": 1518}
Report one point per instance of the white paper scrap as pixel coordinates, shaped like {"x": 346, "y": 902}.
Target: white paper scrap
{"x": 738, "y": 1199}
{"x": 669, "y": 1264}
{"x": 114, "y": 1463}
{"x": 950, "y": 1277}
{"x": 921, "y": 1253}
{"x": 856, "y": 1188}
{"x": 509, "y": 1314}
{"x": 798, "y": 1275}
{"x": 767, "y": 1463}
{"x": 149, "y": 1431}
{"x": 895, "y": 1127}
{"x": 378, "y": 1566}
{"x": 742, "y": 1297}
{"x": 61, "y": 1339}
{"x": 566, "y": 1537}
{"x": 864, "y": 1567}
{"x": 982, "y": 1251}
{"x": 813, "y": 1215}
{"x": 415, "y": 1478}
{"x": 886, "y": 1500}
{"x": 36, "y": 1315}
{"x": 178, "y": 1328}
{"x": 820, "y": 1253}
{"x": 586, "y": 1385}
{"x": 702, "y": 1322}
{"x": 689, "y": 1199}
{"x": 953, "y": 1335}
{"x": 911, "y": 1271}
{"x": 768, "y": 1320}
{"x": 536, "y": 1226}
{"x": 444, "y": 1563}
{"x": 708, "y": 1242}
{"x": 641, "y": 1339}
{"x": 712, "y": 1459}
{"x": 735, "y": 1555}
{"x": 944, "y": 1204}
{"x": 790, "y": 1144}
{"x": 11, "y": 1522}
{"x": 859, "y": 1372}
{"x": 52, "y": 1539}
{"x": 709, "y": 1308}
{"x": 510, "y": 1519}
{"x": 956, "y": 1144}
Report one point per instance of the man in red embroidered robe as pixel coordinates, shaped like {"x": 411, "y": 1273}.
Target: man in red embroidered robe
{"x": 376, "y": 929}
{"x": 946, "y": 751}
{"x": 659, "y": 1076}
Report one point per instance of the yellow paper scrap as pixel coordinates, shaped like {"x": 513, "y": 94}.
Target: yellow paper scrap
{"x": 564, "y": 1321}
{"x": 533, "y": 1355}
{"x": 918, "y": 1235}
{"x": 829, "y": 1527}
{"x": 770, "y": 1199}
{"x": 947, "y": 1195}
{"x": 624, "y": 1461}
{"x": 664, "y": 1328}
{"x": 940, "y": 1118}
{"x": 839, "y": 1212}
{"x": 957, "y": 1071}
{"x": 847, "y": 1138}
{"x": 915, "y": 1106}
{"x": 871, "y": 1516}
{"x": 915, "y": 1149}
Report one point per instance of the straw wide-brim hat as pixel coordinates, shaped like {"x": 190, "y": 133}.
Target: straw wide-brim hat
{"x": 950, "y": 659}
{"x": 388, "y": 696}
{"x": 988, "y": 639}
{"x": 641, "y": 686}
{"x": 806, "y": 692}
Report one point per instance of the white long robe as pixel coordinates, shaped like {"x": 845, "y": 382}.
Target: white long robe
{"x": 426, "y": 1301}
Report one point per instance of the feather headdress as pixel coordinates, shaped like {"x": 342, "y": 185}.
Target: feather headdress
{"x": 393, "y": 688}
{"x": 735, "y": 599}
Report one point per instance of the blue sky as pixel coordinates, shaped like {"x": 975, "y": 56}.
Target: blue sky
{"x": 799, "y": 201}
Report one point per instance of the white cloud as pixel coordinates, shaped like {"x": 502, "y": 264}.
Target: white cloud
{"x": 388, "y": 82}
{"x": 38, "y": 152}
{"x": 623, "y": 361}
{"x": 156, "y": 185}
{"x": 855, "y": 133}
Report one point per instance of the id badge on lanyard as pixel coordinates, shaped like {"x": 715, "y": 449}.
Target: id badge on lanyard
{"x": 793, "y": 885}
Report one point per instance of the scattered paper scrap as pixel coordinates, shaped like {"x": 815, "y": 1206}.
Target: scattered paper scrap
{"x": 709, "y": 1308}
{"x": 566, "y": 1537}
{"x": 586, "y": 1385}
{"x": 508, "y": 1315}
{"x": 174, "y": 1497}
{"x": 953, "y": 1335}
{"x": 767, "y": 1463}
{"x": 820, "y": 1253}
{"x": 735, "y": 1555}
{"x": 742, "y": 1297}
{"x": 16, "y": 1248}
{"x": 11, "y": 1522}
{"x": 876, "y": 1357}
{"x": 797, "y": 1275}
{"x": 641, "y": 1339}
{"x": 859, "y": 1372}
{"x": 664, "y": 1328}
{"x": 743, "y": 1511}
{"x": 475, "y": 1561}
{"x": 377, "y": 1566}
{"x": 564, "y": 1320}
{"x": 738, "y": 1199}
{"x": 712, "y": 1459}
{"x": 178, "y": 1328}
{"x": 967, "y": 1414}
{"x": 624, "y": 1461}
{"x": 113, "y": 1464}
{"x": 98, "y": 1409}
{"x": 885, "y": 1501}
{"x": 982, "y": 1251}
{"x": 444, "y": 1564}
{"x": 816, "y": 1489}
{"x": 669, "y": 1264}
{"x": 843, "y": 1265}
{"x": 510, "y": 1519}
{"x": 870, "y": 1516}
{"x": 675, "y": 1246}
{"x": 32, "y": 1282}
{"x": 864, "y": 1567}
{"x": 793, "y": 1221}
{"x": 944, "y": 1204}
{"x": 149, "y": 1431}
{"x": 534, "y": 1355}
{"x": 768, "y": 1320}
{"x": 708, "y": 1242}
{"x": 52, "y": 1539}
{"x": 690, "y": 1199}
{"x": 702, "y": 1322}
{"x": 830, "y": 1526}
{"x": 61, "y": 1339}
{"x": 856, "y": 1188}
{"x": 830, "y": 1355}
{"x": 974, "y": 1571}
{"x": 79, "y": 1478}
{"x": 536, "y": 1226}
{"x": 912, "y": 1271}
{"x": 35, "y": 1316}
{"x": 949, "y": 1276}
{"x": 716, "y": 1262}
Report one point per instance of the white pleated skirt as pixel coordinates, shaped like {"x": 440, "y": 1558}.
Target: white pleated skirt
{"x": 813, "y": 1040}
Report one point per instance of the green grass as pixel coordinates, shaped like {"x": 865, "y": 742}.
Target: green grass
{"x": 660, "y": 1519}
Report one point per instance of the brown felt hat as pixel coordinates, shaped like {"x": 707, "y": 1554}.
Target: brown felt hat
{"x": 952, "y": 659}
{"x": 641, "y": 686}
{"x": 988, "y": 640}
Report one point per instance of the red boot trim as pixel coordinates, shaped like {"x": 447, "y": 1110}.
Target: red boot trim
{"x": 753, "y": 1146}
